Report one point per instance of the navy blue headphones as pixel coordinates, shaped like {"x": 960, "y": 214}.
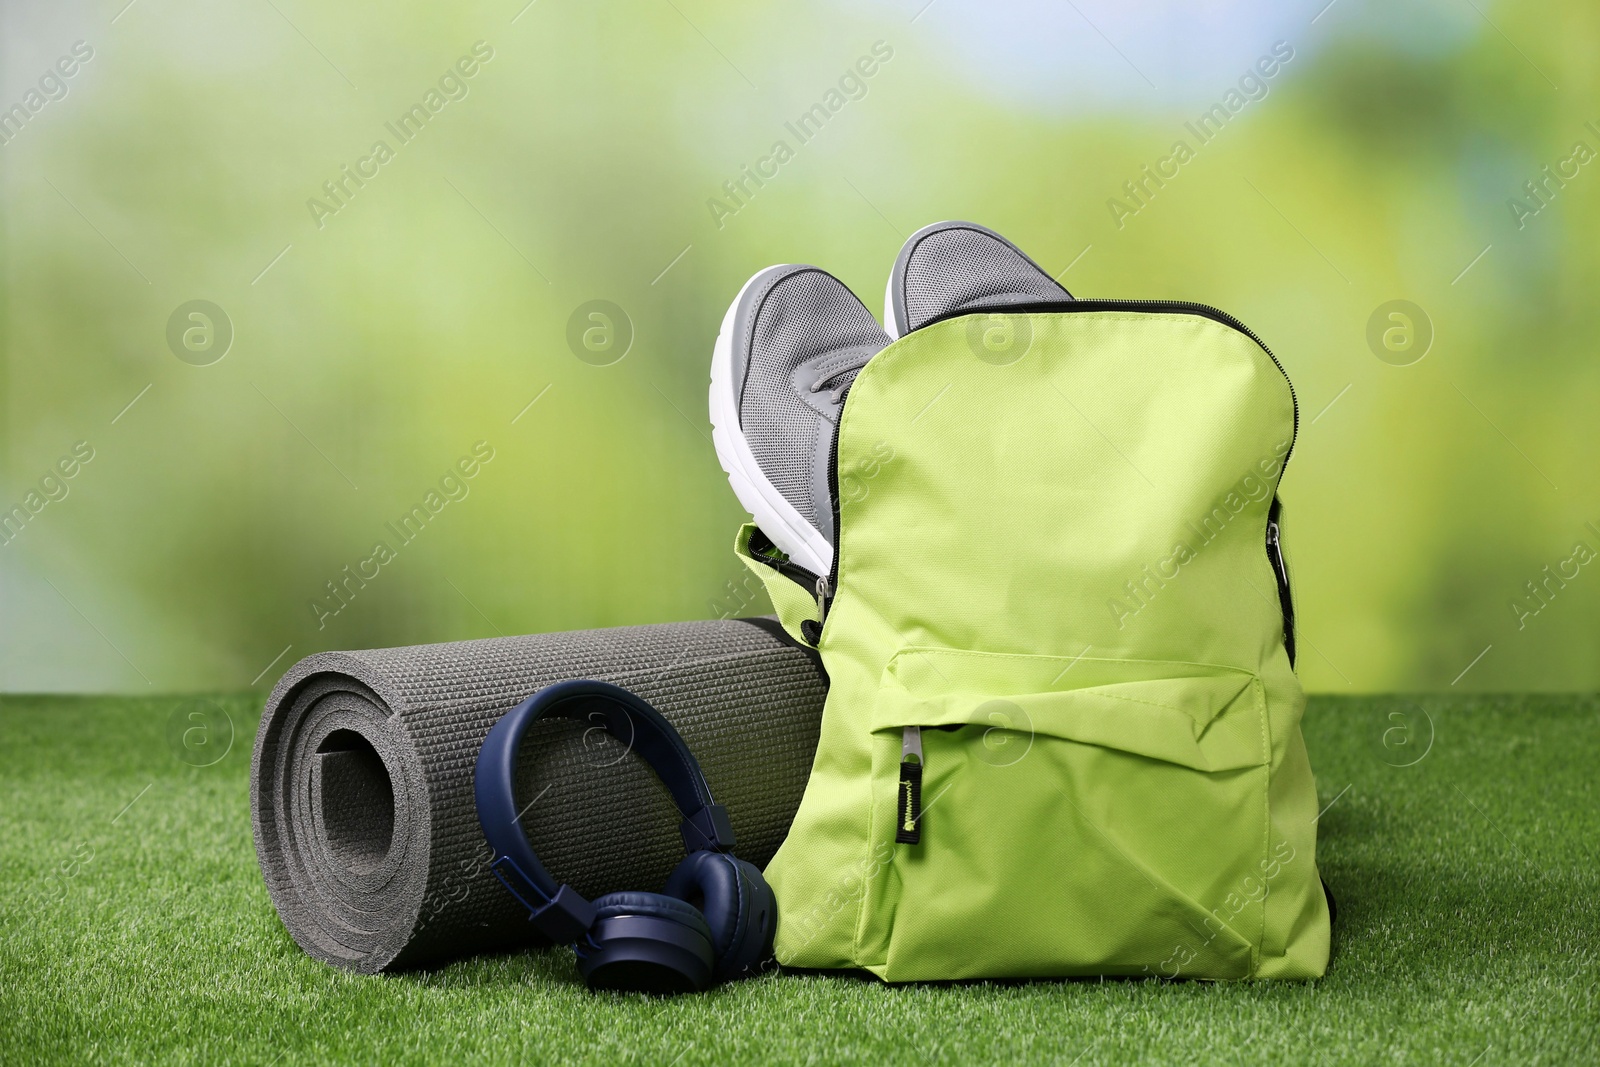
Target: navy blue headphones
{"x": 716, "y": 916}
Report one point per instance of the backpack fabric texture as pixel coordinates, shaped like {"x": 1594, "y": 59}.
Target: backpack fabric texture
{"x": 1053, "y": 561}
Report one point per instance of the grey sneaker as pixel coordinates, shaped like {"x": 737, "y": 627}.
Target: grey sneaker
{"x": 959, "y": 266}
{"x": 790, "y": 345}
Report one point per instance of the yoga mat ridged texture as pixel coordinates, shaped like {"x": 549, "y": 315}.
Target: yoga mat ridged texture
{"x": 361, "y": 784}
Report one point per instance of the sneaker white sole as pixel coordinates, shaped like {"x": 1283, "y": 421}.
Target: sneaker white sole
{"x": 891, "y": 324}
{"x": 778, "y": 518}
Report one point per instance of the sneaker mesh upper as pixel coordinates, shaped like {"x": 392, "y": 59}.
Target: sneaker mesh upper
{"x": 806, "y": 314}
{"x": 962, "y": 266}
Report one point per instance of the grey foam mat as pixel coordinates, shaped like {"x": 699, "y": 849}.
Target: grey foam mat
{"x": 361, "y": 783}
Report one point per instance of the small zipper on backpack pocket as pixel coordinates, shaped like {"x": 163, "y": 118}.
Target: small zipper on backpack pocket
{"x": 908, "y": 821}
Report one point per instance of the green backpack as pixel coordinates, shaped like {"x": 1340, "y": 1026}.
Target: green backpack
{"x": 1062, "y": 735}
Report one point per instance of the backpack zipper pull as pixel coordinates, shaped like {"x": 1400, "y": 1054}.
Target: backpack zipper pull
{"x": 822, "y": 601}
{"x": 908, "y": 824}
{"x": 1280, "y": 571}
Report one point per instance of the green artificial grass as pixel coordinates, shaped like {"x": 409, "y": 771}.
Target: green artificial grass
{"x": 134, "y": 925}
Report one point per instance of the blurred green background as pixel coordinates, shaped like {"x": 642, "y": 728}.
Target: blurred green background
{"x": 373, "y": 346}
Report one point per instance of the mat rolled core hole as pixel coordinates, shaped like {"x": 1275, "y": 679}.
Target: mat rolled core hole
{"x": 357, "y": 801}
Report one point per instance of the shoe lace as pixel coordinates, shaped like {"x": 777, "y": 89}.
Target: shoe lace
{"x": 842, "y": 364}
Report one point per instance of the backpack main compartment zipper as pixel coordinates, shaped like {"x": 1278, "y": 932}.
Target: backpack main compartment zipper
{"x": 1171, "y": 307}
{"x": 1280, "y": 570}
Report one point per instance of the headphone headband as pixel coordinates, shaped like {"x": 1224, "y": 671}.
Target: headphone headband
{"x": 558, "y": 910}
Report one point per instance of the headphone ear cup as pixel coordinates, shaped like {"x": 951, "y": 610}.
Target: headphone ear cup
{"x": 647, "y": 943}
{"x": 739, "y": 908}
{"x": 753, "y": 953}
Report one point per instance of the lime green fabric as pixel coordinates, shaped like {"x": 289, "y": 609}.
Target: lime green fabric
{"x": 1055, "y": 563}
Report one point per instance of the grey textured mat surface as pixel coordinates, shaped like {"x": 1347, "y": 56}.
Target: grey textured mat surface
{"x": 361, "y": 783}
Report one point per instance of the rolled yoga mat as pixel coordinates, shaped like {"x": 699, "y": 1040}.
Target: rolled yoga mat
{"x": 361, "y": 784}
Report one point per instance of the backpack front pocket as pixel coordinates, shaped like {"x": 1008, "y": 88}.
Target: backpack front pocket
{"x": 1053, "y": 816}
